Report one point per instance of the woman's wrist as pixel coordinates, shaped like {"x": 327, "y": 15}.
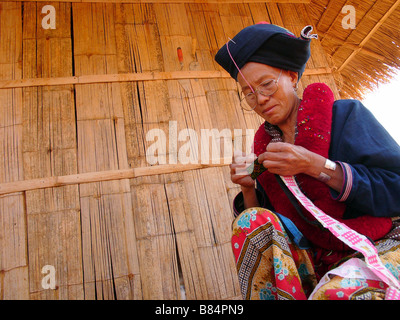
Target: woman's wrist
{"x": 248, "y": 190}
{"x": 250, "y": 197}
{"x": 326, "y": 171}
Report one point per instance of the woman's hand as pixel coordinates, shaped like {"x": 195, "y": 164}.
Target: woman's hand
{"x": 239, "y": 174}
{"x": 286, "y": 159}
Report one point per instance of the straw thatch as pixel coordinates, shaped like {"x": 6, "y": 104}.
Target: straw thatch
{"x": 363, "y": 57}
{"x": 77, "y": 191}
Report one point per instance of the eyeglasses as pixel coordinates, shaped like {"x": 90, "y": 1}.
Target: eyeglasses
{"x": 266, "y": 88}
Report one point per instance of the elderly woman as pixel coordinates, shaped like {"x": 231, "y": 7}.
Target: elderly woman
{"x": 343, "y": 160}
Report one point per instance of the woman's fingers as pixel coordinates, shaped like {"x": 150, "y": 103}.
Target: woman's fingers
{"x": 241, "y": 162}
{"x": 239, "y": 168}
{"x": 285, "y": 158}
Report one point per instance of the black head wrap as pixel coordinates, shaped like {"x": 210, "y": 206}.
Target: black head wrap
{"x": 268, "y": 44}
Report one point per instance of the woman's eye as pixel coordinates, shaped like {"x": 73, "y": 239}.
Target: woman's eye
{"x": 267, "y": 84}
{"x": 246, "y": 93}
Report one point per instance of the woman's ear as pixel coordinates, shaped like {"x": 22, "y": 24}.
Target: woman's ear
{"x": 294, "y": 78}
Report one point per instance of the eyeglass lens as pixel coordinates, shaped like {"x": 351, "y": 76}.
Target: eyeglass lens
{"x": 266, "y": 88}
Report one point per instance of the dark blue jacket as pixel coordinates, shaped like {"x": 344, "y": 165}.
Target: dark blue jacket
{"x": 372, "y": 159}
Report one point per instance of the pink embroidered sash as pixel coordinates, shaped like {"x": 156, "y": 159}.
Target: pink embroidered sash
{"x": 351, "y": 238}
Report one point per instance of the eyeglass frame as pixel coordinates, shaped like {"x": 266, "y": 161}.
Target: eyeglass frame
{"x": 257, "y": 90}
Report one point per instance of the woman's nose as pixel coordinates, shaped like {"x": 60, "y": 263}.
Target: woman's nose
{"x": 262, "y": 99}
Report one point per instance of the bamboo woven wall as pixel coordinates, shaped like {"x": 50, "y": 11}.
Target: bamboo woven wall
{"x": 118, "y": 234}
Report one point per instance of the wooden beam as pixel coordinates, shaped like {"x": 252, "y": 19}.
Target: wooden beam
{"x": 325, "y": 13}
{"x": 364, "y": 51}
{"x": 370, "y": 34}
{"x": 316, "y": 71}
{"x": 105, "y": 78}
{"x": 59, "y": 181}
{"x": 127, "y": 77}
{"x": 352, "y": 46}
{"x": 177, "y": 1}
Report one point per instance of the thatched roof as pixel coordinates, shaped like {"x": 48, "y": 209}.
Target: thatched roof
{"x": 363, "y": 57}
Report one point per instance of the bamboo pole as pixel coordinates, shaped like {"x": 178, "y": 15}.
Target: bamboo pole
{"x": 108, "y": 78}
{"x": 88, "y": 177}
{"x": 126, "y": 77}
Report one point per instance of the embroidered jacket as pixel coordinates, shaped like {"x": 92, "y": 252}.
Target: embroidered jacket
{"x": 346, "y": 132}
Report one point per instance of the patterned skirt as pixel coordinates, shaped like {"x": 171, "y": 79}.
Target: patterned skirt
{"x": 271, "y": 267}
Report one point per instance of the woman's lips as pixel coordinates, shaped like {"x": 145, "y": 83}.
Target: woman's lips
{"x": 269, "y": 109}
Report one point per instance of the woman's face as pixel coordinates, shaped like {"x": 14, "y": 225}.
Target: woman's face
{"x": 279, "y": 108}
